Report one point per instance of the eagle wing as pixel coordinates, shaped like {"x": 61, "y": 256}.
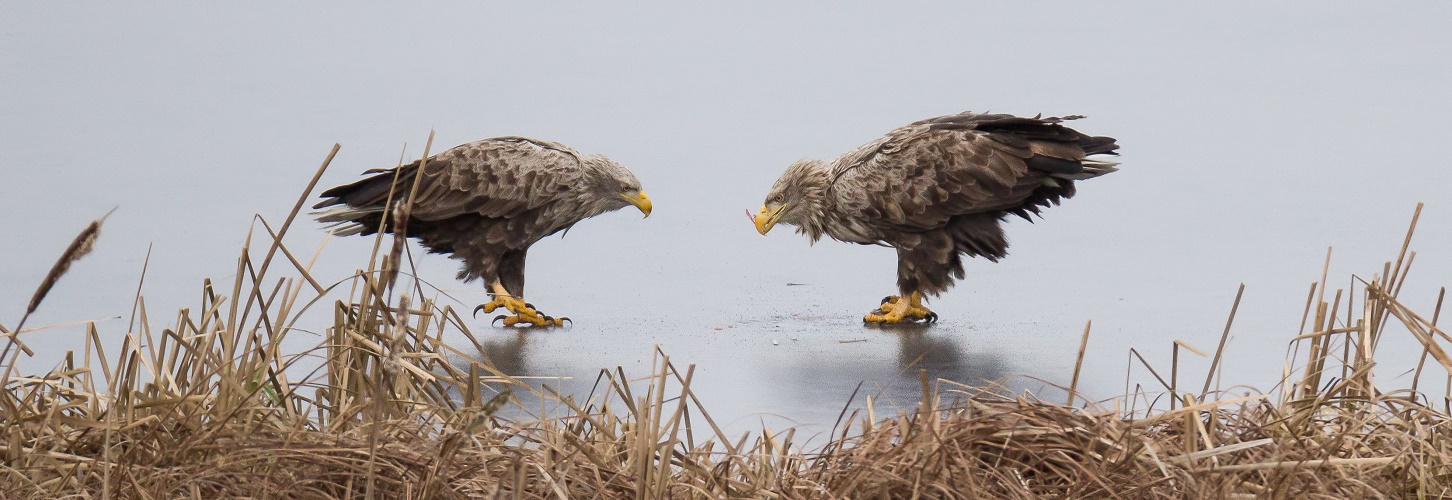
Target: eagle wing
{"x": 499, "y": 178}
{"x": 919, "y": 176}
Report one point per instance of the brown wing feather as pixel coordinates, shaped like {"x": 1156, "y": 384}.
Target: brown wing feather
{"x": 938, "y": 188}
{"x": 497, "y": 178}
{"x": 483, "y": 203}
{"x": 920, "y": 176}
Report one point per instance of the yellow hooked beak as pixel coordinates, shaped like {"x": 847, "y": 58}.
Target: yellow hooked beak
{"x": 766, "y": 218}
{"x": 640, "y": 200}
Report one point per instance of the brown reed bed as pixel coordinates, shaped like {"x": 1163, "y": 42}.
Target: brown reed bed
{"x": 215, "y": 406}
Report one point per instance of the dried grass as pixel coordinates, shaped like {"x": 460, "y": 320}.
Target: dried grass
{"x": 80, "y": 246}
{"x": 381, "y": 407}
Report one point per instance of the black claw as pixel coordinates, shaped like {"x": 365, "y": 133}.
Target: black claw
{"x": 529, "y": 305}
{"x": 497, "y": 319}
{"x": 888, "y": 298}
{"x": 477, "y": 309}
{"x": 932, "y": 317}
{"x": 563, "y": 319}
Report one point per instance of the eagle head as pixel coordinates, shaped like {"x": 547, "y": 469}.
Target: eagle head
{"x": 614, "y": 187}
{"x": 796, "y": 198}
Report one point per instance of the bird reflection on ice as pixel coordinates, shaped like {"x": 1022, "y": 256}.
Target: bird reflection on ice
{"x": 746, "y": 382}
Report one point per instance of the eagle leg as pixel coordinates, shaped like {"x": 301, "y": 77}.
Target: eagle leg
{"x": 524, "y": 312}
{"x": 894, "y": 310}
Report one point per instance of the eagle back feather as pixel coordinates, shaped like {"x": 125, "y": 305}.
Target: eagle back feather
{"x": 921, "y": 175}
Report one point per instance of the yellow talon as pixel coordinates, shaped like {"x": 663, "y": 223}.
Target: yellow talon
{"x": 894, "y": 310}
{"x": 508, "y": 303}
{"x": 490, "y": 306}
{"x": 523, "y": 312}
{"x": 532, "y": 320}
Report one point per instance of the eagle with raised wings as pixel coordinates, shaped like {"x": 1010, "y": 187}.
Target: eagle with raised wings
{"x": 484, "y": 203}
{"x": 936, "y": 190}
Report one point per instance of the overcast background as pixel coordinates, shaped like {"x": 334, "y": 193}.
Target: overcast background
{"x": 1254, "y": 136}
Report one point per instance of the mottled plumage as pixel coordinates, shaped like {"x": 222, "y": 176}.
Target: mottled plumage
{"x": 937, "y": 189}
{"x": 484, "y": 203}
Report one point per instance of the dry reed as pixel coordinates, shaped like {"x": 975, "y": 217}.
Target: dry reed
{"x": 80, "y": 246}
{"x": 382, "y": 407}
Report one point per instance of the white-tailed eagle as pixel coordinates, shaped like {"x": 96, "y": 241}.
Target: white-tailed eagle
{"x": 484, "y": 203}
{"x": 935, "y": 190}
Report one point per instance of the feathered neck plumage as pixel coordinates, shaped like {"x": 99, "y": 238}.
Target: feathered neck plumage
{"x": 813, "y": 180}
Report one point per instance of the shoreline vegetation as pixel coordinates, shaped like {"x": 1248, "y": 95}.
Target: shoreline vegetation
{"x": 382, "y": 407}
